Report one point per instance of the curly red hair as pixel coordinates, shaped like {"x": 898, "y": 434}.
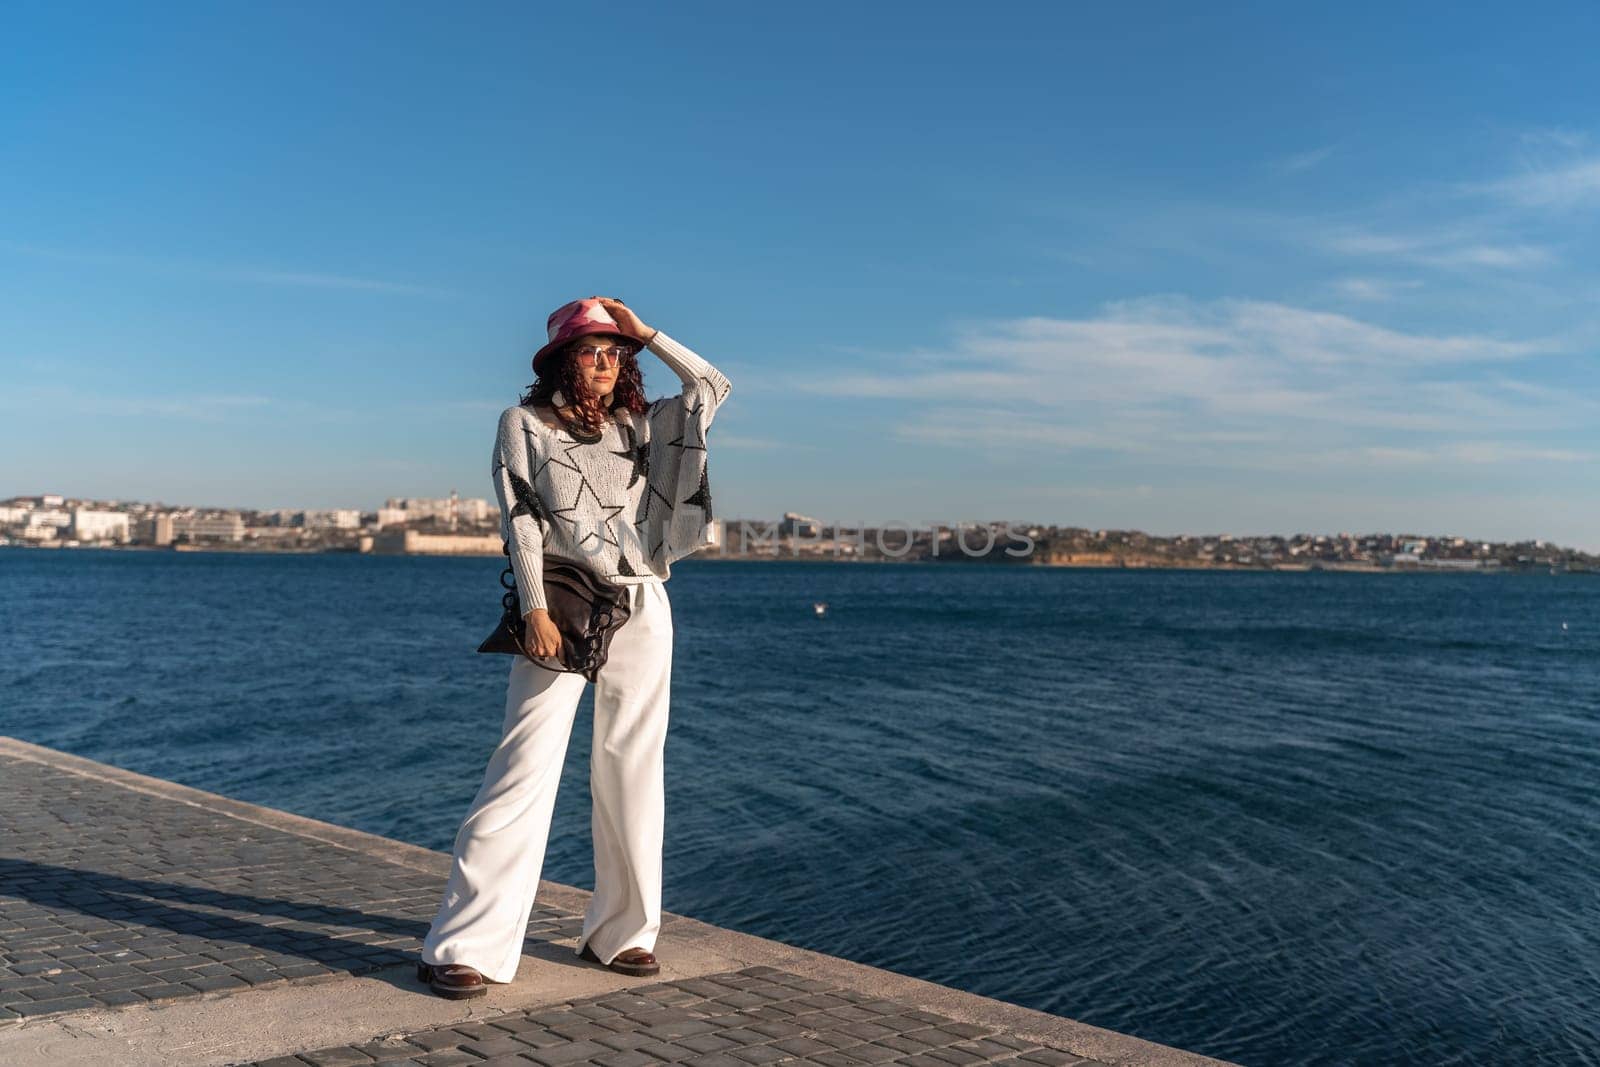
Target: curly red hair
{"x": 561, "y": 372}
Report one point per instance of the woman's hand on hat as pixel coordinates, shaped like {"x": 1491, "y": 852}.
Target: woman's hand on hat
{"x": 626, "y": 320}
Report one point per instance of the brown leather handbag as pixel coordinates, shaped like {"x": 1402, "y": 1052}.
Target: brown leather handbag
{"x": 587, "y": 609}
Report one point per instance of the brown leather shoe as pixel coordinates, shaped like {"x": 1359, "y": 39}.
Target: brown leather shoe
{"x": 454, "y": 981}
{"x": 635, "y": 961}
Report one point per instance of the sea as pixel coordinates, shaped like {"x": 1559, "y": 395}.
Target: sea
{"x": 1276, "y": 818}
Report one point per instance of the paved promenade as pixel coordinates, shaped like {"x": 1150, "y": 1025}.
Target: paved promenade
{"x": 143, "y": 922}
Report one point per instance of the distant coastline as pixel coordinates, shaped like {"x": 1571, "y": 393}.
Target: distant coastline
{"x": 1124, "y": 564}
{"x": 452, "y": 526}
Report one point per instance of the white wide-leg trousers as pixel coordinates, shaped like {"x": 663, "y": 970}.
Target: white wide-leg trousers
{"x": 500, "y": 848}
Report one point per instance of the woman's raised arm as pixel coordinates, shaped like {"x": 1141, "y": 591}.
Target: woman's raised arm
{"x": 703, "y": 384}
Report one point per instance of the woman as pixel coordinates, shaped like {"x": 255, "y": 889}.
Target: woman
{"x": 585, "y": 469}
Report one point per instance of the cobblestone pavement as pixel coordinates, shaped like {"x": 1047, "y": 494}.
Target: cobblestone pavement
{"x": 111, "y": 897}
{"x": 755, "y": 1017}
{"x": 117, "y": 891}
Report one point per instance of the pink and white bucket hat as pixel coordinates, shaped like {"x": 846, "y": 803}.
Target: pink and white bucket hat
{"x": 576, "y": 319}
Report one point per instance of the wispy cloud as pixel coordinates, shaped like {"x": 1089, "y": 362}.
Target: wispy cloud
{"x": 1555, "y": 136}
{"x": 197, "y": 407}
{"x": 1374, "y": 290}
{"x": 1088, "y": 492}
{"x": 1447, "y": 248}
{"x": 1244, "y": 384}
{"x": 1302, "y": 161}
{"x": 1570, "y": 185}
{"x": 221, "y": 272}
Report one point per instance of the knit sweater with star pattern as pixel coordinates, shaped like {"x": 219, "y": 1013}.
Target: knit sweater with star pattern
{"x": 626, "y": 505}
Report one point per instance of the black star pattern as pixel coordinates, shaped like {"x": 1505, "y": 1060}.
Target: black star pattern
{"x": 711, "y": 387}
{"x": 702, "y": 495}
{"x": 528, "y": 502}
{"x": 562, "y": 461}
{"x": 604, "y": 532}
{"x": 638, "y": 452}
{"x": 652, "y": 491}
{"x": 692, "y": 429}
{"x": 611, "y": 510}
{"x": 573, "y": 447}
{"x": 642, "y": 524}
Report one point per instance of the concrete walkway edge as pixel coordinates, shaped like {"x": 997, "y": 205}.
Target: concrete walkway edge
{"x": 682, "y": 939}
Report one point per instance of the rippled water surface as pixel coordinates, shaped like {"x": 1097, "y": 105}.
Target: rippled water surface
{"x": 1276, "y": 818}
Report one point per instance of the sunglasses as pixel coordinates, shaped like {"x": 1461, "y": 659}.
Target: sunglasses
{"x": 589, "y": 355}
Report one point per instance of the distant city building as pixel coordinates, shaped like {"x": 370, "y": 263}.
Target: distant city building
{"x": 445, "y": 509}
{"x": 156, "y": 529}
{"x": 91, "y": 525}
{"x": 413, "y": 543}
{"x": 221, "y": 526}
{"x": 391, "y": 517}
{"x": 417, "y": 508}
{"x": 54, "y": 517}
{"x": 796, "y": 525}
{"x": 333, "y": 519}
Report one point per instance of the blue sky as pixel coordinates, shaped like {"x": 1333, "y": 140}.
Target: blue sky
{"x": 1204, "y": 268}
